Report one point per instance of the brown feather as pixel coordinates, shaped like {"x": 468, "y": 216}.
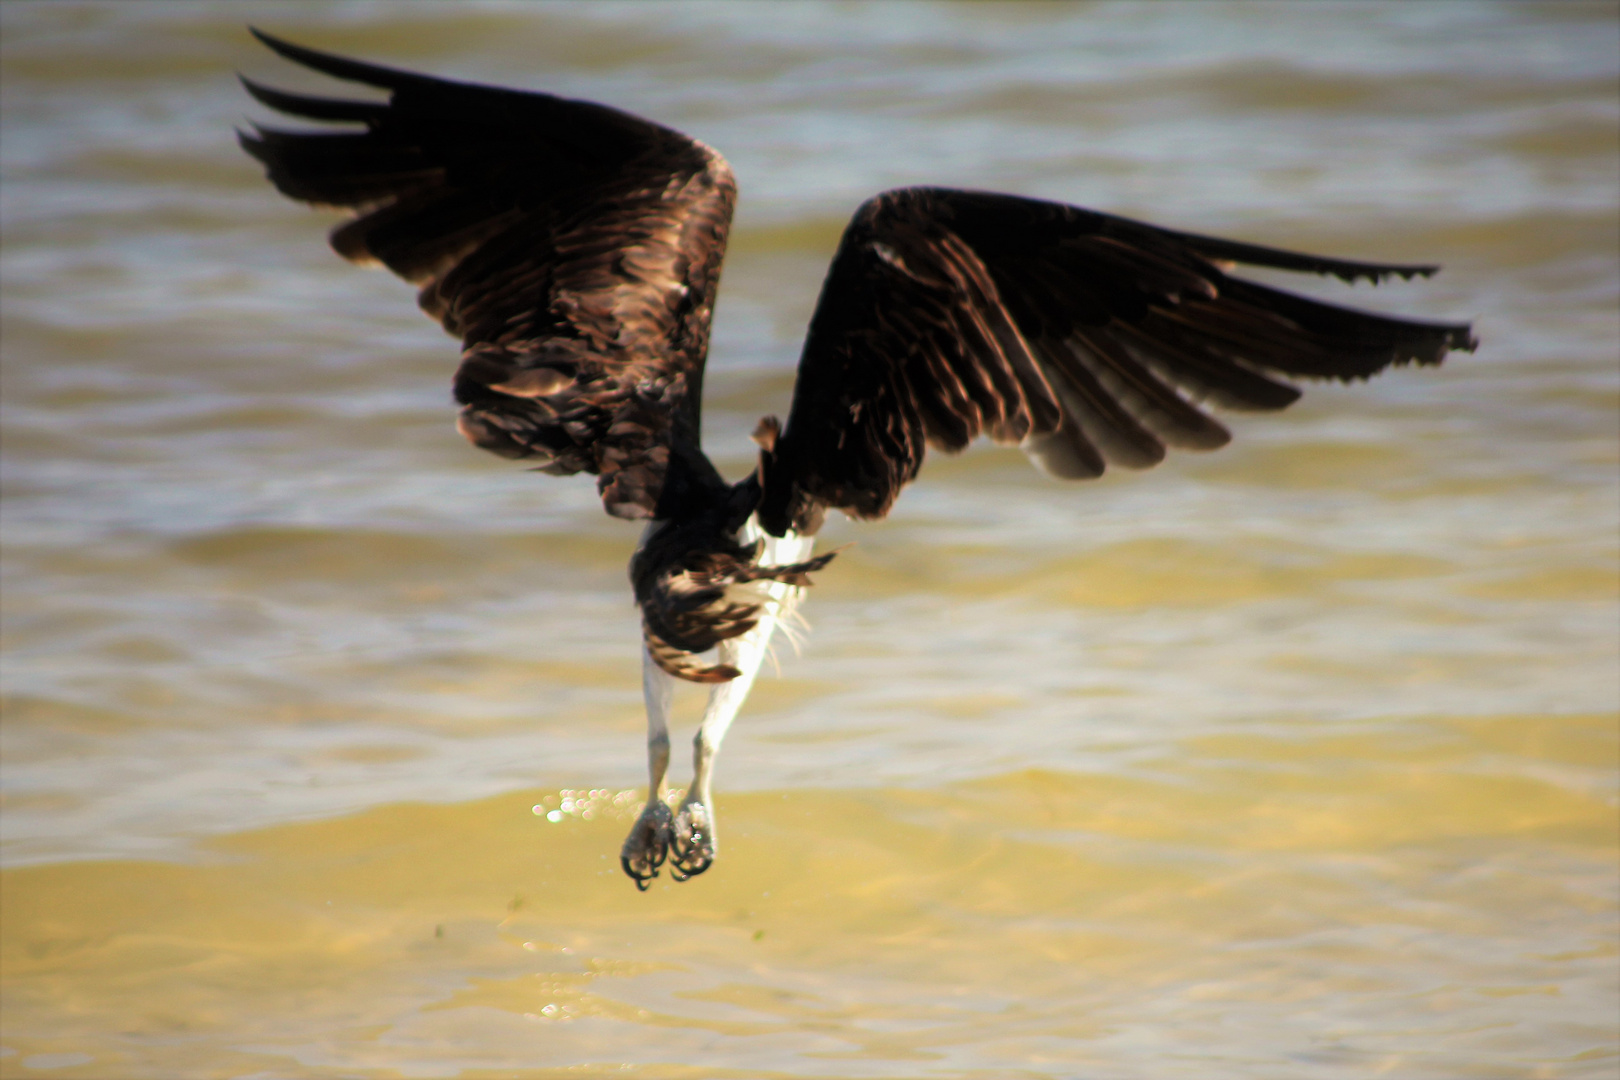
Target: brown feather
{"x": 571, "y": 246}
{"x": 1087, "y": 338}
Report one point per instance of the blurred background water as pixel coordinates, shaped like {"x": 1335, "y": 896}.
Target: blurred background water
{"x": 1294, "y": 760}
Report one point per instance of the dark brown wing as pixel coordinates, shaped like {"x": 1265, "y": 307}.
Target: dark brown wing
{"x": 574, "y": 249}
{"x": 1086, "y": 338}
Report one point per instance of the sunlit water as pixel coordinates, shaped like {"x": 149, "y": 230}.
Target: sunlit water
{"x": 1296, "y": 760}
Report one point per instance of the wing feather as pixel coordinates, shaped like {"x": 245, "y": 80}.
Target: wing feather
{"x": 1164, "y": 412}
{"x": 1089, "y": 339}
{"x": 1107, "y": 422}
{"x": 573, "y": 248}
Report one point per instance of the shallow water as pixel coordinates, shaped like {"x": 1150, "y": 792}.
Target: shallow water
{"x": 1294, "y": 760}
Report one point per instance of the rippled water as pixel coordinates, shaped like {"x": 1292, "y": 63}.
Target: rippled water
{"x": 1296, "y": 760}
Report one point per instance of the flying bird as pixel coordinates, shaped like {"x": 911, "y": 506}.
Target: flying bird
{"x": 575, "y": 250}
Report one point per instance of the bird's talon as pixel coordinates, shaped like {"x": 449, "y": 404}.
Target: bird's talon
{"x": 692, "y": 841}
{"x": 686, "y": 873}
{"x": 643, "y": 881}
{"x": 647, "y": 846}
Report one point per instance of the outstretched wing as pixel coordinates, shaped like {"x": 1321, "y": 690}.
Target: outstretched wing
{"x": 573, "y": 248}
{"x": 1087, "y": 339}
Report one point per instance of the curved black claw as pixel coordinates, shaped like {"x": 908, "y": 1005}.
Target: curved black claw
{"x": 693, "y": 841}
{"x": 642, "y": 883}
{"x": 647, "y": 846}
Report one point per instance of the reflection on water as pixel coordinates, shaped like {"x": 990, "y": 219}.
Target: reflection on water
{"x": 1297, "y": 759}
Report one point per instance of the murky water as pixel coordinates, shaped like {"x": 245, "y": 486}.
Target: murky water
{"x": 1294, "y": 760}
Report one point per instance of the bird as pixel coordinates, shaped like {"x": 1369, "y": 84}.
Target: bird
{"x": 575, "y": 250}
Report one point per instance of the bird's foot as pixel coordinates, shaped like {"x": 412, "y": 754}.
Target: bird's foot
{"x": 647, "y": 846}
{"x": 693, "y": 841}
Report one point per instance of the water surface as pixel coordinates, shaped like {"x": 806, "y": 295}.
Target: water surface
{"x": 1294, "y": 760}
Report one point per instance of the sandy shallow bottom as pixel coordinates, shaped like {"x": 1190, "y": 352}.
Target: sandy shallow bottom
{"x": 1323, "y": 899}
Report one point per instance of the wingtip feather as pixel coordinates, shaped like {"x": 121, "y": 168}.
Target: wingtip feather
{"x": 312, "y": 108}
{"x": 339, "y": 67}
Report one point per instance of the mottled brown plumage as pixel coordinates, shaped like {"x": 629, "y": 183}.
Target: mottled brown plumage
{"x": 573, "y": 248}
{"x": 683, "y": 576}
{"x": 1090, "y": 339}
{"x": 576, "y": 250}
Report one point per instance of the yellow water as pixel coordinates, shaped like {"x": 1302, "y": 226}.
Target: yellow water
{"x": 1297, "y": 760}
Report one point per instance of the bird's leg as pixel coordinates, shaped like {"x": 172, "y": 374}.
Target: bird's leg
{"x": 693, "y": 834}
{"x": 647, "y": 845}
{"x": 694, "y": 840}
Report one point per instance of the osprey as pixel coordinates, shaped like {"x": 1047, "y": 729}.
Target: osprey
{"x": 575, "y": 250}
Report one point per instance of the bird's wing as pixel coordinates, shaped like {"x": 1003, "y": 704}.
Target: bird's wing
{"x": 573, "y": 248}
{"x": 1086, "y": 338}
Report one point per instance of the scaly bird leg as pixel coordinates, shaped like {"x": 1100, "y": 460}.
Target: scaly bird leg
{"x": 693, "y": 839}
{"x": 647, "y": 845}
